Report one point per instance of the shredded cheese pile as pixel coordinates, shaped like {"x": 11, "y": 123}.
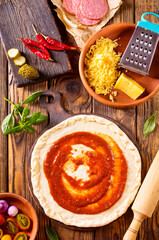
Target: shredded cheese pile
{"x": 101, "y": 65}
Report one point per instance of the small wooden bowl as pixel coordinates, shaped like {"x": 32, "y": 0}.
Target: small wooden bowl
{"x": 25, "y": 207}
{"x": 123, "y": 32}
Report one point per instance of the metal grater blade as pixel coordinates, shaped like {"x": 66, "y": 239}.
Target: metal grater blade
{"x": 140, "y": 51}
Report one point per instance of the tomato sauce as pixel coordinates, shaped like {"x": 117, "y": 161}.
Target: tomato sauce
{"x": 106, "y": 169}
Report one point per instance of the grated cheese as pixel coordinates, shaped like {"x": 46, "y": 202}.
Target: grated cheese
{"x": 101, "y": 65}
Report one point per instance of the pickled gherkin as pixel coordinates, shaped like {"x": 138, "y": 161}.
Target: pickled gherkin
{"x": 20, "y": 61}
{"x": 13, "y": 53}
{"x": 28, "y": 72}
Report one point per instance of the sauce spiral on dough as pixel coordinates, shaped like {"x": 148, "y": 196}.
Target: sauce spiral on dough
{"x": 86, "y": 172}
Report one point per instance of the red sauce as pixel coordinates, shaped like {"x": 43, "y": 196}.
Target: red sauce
{"x": 107, "y": 173}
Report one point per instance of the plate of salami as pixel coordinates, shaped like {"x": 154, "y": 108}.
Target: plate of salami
{"x": 87, "y": 13}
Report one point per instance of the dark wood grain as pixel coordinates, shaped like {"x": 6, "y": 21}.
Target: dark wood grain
{"x": 16, "y": 19}
{"x": 75, "y": 99}
{"x": 3, "y": 113}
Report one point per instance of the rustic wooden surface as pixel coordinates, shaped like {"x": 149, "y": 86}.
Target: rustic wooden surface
{"x": 15, "y": 149}
{"x": 22, "y": 14}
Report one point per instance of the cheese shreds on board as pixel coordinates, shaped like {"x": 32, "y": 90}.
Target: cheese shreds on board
{"x": 101, "y": 65}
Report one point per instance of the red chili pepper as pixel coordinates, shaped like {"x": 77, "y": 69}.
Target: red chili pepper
{"x": 58, "y": 44}
{"x": 42, "y": 40}
{"x": 38, "y": 45}
{"x": 35, "y": 50}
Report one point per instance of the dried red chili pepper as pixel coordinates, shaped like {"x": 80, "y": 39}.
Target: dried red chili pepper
{"x": 37, "y": 45}
{"x": 35, "y": 50}
{"x": 42, "y": 40}
{"x": 56, "y": 43}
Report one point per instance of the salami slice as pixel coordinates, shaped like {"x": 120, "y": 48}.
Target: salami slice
{"x": 75, "y": 4}
{"x": 69, "y": 6}
{"x": 82, "y": 19}
{"x": 94, "y": 9}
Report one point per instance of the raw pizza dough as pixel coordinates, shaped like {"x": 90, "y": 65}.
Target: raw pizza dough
{"x": 93, "y": 124}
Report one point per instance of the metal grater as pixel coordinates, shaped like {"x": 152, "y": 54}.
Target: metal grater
{"x": 141, "y": 48}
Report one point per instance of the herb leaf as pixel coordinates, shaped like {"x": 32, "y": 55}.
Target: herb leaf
{"x": 29, "y": 129}
{"x": 41, "y": 119}
{"x": 13, "y": 130}
{"x": 33, "y": 97}
{"x": 8, "y": 123}
{"x": 31, "y": 119}
{"x": 150, "y": 125}
{"x": 52, "y": 235}
{"x": 25, "y": 113}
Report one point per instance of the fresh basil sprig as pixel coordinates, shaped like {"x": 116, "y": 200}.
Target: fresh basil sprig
{"x": 52, "y": 235}
{"x": 26, "y": 121}
{"x": 150, "y": 125}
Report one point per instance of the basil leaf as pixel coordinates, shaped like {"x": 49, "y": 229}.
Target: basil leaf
{"x": 52, "y": 235}
{"x": 25, "y": 112}
{"x": 14, "y": 130}
{"x": 18, "y": 107}
{"x": 33, "y": 117}
{"x": 29, "y": 129}
{"x": 41, "y": 119}
{"x": 150, "y": 125}
{"x": 33, "y": 97}
{"x": 8, "y": 123}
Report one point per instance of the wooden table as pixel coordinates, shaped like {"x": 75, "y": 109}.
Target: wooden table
{"x": 14, "y": 150}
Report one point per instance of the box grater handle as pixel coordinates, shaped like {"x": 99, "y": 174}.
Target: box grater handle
{"x": 148, "y": 25}
{"x": 148, "y": 13}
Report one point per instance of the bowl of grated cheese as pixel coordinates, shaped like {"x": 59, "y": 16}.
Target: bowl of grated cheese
{"x": 99, "y": 70}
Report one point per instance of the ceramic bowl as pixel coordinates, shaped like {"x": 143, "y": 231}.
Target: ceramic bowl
{"x": 25, "y": 207}
{"x": 123, "y": 32}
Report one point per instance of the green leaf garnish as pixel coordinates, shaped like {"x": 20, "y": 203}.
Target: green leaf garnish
{"x": 25, "y": 113}
{"x": 33, "y": 97}
{"x": 29, "y": 129}
{"x": 13, "y": 130}
{"x": 8, "y": 123}
{"x": 52, "y": 235}
{"x": 31, "y": 119}
{"x": 150, "y": 125}
{"x": 41, "y": 119}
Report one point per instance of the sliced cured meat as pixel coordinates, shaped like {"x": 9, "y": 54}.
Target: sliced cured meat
{"x": 69, "y": 6}
{"x": 75, "y": 4}
{"x": 82, "y": 19}
{"x": 94, "y": 9}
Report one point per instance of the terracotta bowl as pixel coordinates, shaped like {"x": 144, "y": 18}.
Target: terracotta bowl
{"x": 123, "y": 32}
{"x": 25, "y": 207}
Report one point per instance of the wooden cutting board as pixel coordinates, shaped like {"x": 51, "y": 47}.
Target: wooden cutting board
{"x": 16, "y": 19}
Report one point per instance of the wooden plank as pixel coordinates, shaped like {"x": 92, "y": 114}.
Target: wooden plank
{"x": 20, "y": 15}
{"x": 3, "y": 113}
{"x": 148, "y": 145}
{"x": 19, "y": 150}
